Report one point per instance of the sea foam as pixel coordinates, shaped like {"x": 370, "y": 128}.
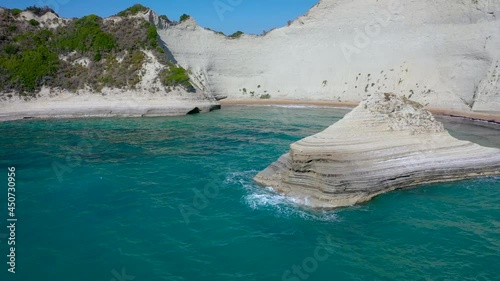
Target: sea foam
{"x": 266, "y": 199}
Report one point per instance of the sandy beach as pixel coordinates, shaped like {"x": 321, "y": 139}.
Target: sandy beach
{"x": 470, "y": 115}
{"x": 142, "y": 106}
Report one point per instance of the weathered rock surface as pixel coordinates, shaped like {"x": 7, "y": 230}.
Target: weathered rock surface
{"x": 442, "y": 53}
{"x": 385, "y": 143}
{"x": 50, "y": 103}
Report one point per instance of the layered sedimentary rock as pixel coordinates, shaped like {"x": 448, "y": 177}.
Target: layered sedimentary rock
{"x": 385, "y": 143}
{"x": 442, "y": 53}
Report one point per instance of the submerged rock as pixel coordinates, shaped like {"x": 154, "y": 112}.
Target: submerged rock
{"x": 385, "y": 143}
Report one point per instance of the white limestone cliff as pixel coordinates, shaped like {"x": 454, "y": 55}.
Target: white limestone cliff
{"x": 441, "y": 53}
{"x": 48, "y": 20}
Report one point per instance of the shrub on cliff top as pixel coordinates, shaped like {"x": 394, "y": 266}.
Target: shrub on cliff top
{"x": 132, "y": 10}
{"x": 40, "y": 11}
{"x": 184, "y": 17}
{"x": 237, "y": 34}
{"x": 16, "y": 11}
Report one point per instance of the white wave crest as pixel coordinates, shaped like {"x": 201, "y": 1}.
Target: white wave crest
{"x": 266, "y": 199}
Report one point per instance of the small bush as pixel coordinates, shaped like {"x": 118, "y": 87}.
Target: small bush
{"x": 34, "y": 22}
{"x": 132, "y": 10}
{"x": 16, "y": 11}
{"x": 237, "y": 34}
{"x": 10, "y": 49}
{"x": 43, "y": 36}
{"x": 40, "y": 11}
{"x": 176, "y": 76}
{"x": 184, "y": 17}
{"x": 265, "y": 97}
{"x": 152, "y": 36}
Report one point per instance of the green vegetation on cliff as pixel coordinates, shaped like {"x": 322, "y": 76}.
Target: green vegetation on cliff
{"x": 89, "y": 51}
{"x": 38, "y": 11}
{"x": 26, "y": 69}
{"x": 237, "y": 34}
{"x": 176, "y": 75}
{"x": 132, "y": 10}
{"x": 85, "y": 35}
{"x": 184, "y": 17}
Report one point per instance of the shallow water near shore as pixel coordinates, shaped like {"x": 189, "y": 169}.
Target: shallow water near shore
{"x": 173, "y": 199}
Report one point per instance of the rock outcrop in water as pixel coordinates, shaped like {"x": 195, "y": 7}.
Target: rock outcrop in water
{"x": 385, "y": 143}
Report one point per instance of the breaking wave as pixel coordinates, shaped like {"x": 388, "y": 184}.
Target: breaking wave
{"x": 266, "y": 199}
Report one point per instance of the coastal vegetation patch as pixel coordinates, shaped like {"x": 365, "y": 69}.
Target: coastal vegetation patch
{"x": 176, "y": 75}
{"x": 237, "y": 34}
{"x": 184, "y": 17}
{"x": 135, "y": 9}
{"x": 79, "y": 53}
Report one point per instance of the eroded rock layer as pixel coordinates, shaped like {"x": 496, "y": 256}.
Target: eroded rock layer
{"x": 385, "y": 143}
{"x": 442, "y": 53}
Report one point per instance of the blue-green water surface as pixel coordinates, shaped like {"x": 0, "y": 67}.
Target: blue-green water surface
{"x": 173, "y": 199}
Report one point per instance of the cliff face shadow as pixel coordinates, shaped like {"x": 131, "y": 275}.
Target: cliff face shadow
{"x": 195, "y": 110}
{"x": 168, "y": 53}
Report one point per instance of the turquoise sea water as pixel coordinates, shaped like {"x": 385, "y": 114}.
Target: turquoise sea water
{"x": 173, "y": 199}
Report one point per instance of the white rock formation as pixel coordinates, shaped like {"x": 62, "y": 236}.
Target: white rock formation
{"x": 54, "y": 103}
{"x": 48, "y": 20}
{"x": 441, "y": 53}
{"x": 385, "y": 143}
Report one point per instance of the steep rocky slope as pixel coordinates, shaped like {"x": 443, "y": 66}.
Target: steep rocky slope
{"x": 56, "y": 67}
{"x": 443, "y": 54}
{"x": 385, "y": 143}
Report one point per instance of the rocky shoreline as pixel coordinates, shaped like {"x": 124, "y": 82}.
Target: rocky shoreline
{"x": 109, "y": 103}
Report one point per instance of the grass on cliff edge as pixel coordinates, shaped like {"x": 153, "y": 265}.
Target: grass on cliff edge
{"x": 175, "y": 75}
